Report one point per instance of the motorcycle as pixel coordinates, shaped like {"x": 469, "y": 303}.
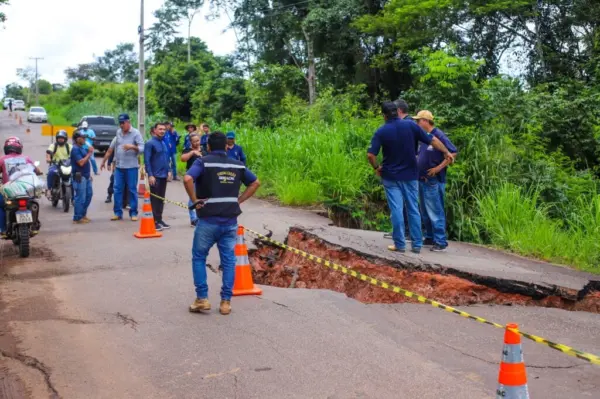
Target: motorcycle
{"x": 22, "y": 211}
{"x": 63, "y": 185}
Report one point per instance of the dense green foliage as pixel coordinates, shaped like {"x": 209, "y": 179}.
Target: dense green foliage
{"x": 303, "y": 89}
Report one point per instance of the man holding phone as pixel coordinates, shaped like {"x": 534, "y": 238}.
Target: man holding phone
{"x": 213, "y": 184}
{"x": 82, "y": 179}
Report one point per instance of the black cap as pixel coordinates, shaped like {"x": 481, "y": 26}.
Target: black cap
{"x": 402, "y": 105}
{"x": 388, "y": 108}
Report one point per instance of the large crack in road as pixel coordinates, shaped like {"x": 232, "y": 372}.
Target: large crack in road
{"x": 278, "y": 267}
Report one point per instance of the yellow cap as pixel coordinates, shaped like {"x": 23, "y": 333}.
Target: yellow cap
{"x": 424, "y": 115}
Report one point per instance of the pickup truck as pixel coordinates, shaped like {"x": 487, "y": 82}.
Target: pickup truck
{"x": 105, "y": 128}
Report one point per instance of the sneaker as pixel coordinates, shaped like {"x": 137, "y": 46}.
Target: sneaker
{"x": 394, "y": 249}
{"x": 3, "y": 235}
{"x": 225, "y": 307}
{"x": 193, "y": 224}
{"x": 108, "y": 200}
{"x": 86, "y": 219}
{"x": 134, "y": 218}
{"x": 115, "y": 217}
{"x": 200, "y": 305}
{"x": 416, "y": 250}
{"x": 438, "y": 248}
{"x": 158, "y": 227}
{"x": 164, "y": 225}
{"x": 428, "y": 242}
{"x": 80, "y": 221}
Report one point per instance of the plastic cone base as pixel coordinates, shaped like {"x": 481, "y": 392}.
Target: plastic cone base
{"x": 249, "y": 291}
{"x": 148, "y": 235}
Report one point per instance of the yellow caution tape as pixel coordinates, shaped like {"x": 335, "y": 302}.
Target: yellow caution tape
{"x": 594, "y": 359}
{"x": 180, "y": 204}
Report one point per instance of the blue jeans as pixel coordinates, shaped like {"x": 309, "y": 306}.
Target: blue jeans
{"x": 432, "y": 193}
{"x": 2, "y": 215}
{"x": 52, "y": 174}
{"x": 205, "y": 236}
{"x": 83, "y": 197}
{"x": 127, "y": 176}
{"x": 173, "y": 161}
{"x": 398, "y": 193}
{"x": 94, "y": 164}
{"x": 193, "y": 215}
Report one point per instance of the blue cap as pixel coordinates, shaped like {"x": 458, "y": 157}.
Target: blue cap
{"x": 123, "y": 118}
{"x": 230, "y": 135}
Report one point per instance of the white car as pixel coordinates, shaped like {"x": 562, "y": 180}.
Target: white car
{"x": 37, "y": 114}
{"x": 18, "y": 105}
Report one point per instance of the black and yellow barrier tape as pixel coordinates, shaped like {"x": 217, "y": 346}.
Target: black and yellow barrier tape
{"x": 588, "y": 357}
{"x": 594, "y": 359}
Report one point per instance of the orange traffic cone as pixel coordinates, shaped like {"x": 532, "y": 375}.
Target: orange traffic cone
{"x": 243, "y": 283}
{"x": 147, "y": 227}
{"x": 512, "y": 380}
{"x": 20, "y": 120}
{"x": 142, "y": 183}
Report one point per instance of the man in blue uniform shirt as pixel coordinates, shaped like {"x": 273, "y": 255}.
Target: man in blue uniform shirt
{"x": 156, "y": 161}
{"x": 82, "y": 180}
{"x": 234, "y": 151}
{"x": 216, "y": 179}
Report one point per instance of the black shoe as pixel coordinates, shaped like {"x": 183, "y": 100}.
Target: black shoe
{"x": 429, "y": 242}
{"x": 158, "y": 226}
{"x": 438, "y": 248}
{"x": 416, "y": 250}
{"x": 193, "y": 224}
{"x": 164, "y": 225}
{"x": 108, "y": 200}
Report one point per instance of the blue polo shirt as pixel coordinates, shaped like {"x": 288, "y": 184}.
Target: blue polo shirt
{"x": 156, "y": 158}
{"x": 77, "y": 154}
{"x": 397, "y": 139}
{"x": 196, "y": 171}
{"x": 236, "y": 152}
{"x": 429, "y": 157}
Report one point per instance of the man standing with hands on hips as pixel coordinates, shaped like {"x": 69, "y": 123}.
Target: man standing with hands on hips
{"x": 156, "y": 160}
{"x": 82, "y": 179}
{"x": 127, "y": 145}
{"x": 216, "y": 180}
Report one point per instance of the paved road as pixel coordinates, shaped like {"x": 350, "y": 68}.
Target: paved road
{"x": 96, "y": 313}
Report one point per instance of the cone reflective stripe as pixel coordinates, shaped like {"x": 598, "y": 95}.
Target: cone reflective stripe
{"x": 243, "y": 283}
{"x": 147, "y": 226}
{"x": 512, "y": 379}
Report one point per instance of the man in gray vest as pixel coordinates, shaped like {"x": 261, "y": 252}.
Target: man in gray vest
{"x": 215, "y": 179}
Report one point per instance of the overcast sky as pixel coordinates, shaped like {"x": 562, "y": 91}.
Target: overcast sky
{"x": 70, "y": 32}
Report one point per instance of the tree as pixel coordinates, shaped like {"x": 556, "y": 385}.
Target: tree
{"x": 162, "y": 31}
{"x": 14, "y": 90}
{"x": 81, "y": 72}
{"x": 44, "y": 86}
{"x": 2, "y": 15}
{"x": 118, "y": 65}
{"x": 187, "y": 9}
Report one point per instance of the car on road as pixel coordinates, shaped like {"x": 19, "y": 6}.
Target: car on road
{"x": 6, "y": 100}
{"x": 105, "y": 128}
{"x": 37, "y": 114}
{"x": 18, "y": 105}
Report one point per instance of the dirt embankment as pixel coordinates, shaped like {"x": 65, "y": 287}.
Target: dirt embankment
{"x": 281, "y": 268}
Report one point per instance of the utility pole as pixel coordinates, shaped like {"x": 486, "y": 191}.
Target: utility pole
{"x": 141, "y": 97}
{"x": 37, "y": 91}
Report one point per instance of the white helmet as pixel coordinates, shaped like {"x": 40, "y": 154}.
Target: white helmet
{"x": 84, "y": 125}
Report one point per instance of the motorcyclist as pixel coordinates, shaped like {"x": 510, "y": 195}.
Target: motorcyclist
{"x": 13, "y": 158}
{"x": 58, "y": 151}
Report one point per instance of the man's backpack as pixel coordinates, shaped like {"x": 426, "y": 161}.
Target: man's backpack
{"x": 56, "y": 149}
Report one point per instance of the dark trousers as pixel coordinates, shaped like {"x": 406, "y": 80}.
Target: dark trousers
{"x": 111, "y": 189}
{"x": 159, "y": 188}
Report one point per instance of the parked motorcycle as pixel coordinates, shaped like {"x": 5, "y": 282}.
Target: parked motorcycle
{"x": 22, "y": 210}
{"x": 63, "y": 185}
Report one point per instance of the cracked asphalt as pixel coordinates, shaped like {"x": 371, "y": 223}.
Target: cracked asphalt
{"x": 96, "y": 313}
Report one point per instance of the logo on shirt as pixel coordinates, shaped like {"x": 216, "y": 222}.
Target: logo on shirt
{"x": 226, "y": 177}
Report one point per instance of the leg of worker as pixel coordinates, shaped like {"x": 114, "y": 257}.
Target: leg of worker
{"x": 204, "y": 239}
{"x": 119, "y": 184}
{"x": 80, "y": 188}
{"x": 435, "y": 210}
{"x": 94, "y": 164}
{"x": 395, "y": 203}
{"x": 132, "y": 182}
{"x": 157, "y": 204}
{"x": 226, "y": 245}
{"x": 52, "y": 172}
{"x": 162, "y": 191}
{"x": 89, "y": 192}
{"x": 410, "y": 191}
{"x": 425, "y": 218}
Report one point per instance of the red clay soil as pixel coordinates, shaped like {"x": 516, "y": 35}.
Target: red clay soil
{"x": 276, "y": 267}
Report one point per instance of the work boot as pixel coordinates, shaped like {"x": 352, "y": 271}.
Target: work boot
{"x": 394, "y": 249}
{"x": 80, "y": 221}
{"x": 115, "y": 218}
{"x": 200, "y": 305}
{"x": 225, "y": 307}
{"x": 86, "y": 219}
